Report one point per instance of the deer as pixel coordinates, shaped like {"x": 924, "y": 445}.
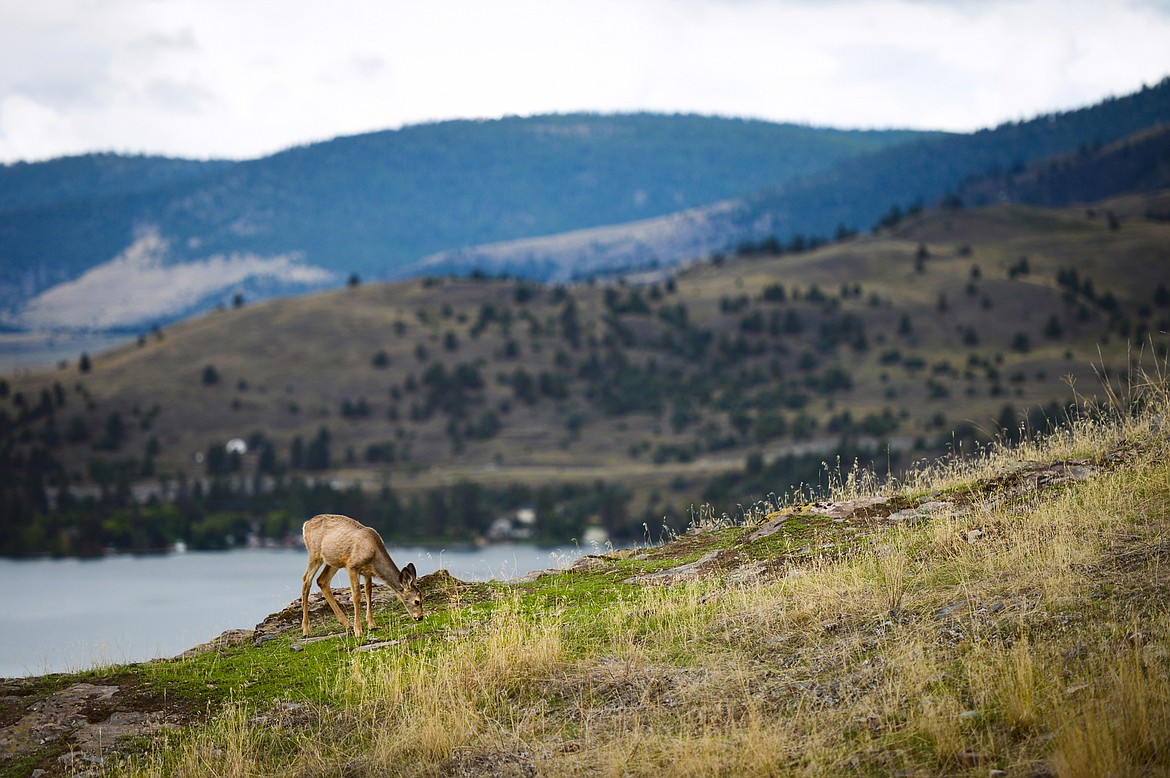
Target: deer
{"x": 338, "y": 541}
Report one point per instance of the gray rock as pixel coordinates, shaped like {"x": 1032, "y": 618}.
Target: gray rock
{"x": 771, "y": 527}
{"x": 947, "y": 610}
{"x": 676, "y": 574}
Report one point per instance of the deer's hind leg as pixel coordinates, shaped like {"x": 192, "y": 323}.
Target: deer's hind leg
{"x": 323, "y": 581}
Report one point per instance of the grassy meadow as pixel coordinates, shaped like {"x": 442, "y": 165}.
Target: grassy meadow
{"x": 1004, "y": 614}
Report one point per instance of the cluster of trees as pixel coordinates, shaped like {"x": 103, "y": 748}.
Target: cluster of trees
{"x": 1080, "y": 291}
{"x": 31, "y": 466}
{"x": 810, "y": 474}
{"x": 224, "y": 511}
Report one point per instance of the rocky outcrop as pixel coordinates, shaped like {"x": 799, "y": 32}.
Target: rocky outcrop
{"x": 79, "y": 724}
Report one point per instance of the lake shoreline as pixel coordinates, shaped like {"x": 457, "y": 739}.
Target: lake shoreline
{"x": 78, "y": 613}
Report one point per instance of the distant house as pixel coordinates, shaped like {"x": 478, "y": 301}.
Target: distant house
{"x": 519, "y": 526}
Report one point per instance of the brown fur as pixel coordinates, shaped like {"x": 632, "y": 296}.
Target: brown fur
{"x": 338, "y": 541}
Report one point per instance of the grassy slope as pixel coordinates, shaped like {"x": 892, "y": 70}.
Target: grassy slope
{"x": 1017, "y": 622}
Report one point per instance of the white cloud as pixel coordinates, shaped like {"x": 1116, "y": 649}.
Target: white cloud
{"x": 241, "y": 78}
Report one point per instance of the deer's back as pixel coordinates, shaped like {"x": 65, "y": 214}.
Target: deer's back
{"x": 341, "y": 541}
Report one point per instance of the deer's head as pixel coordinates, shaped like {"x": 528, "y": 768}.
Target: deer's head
{"x": 408, "y": 592}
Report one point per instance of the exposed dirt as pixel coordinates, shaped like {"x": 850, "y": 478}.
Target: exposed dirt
{"x": 72, "y": 730}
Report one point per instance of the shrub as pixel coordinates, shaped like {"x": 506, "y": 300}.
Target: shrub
{"x": 1052, "y": 328}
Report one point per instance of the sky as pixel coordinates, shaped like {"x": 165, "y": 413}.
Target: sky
{"x": 244, "y": 78}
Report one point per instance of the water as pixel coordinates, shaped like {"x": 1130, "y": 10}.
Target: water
{"x": 62, "y": 615}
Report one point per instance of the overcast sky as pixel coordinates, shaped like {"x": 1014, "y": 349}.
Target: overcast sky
{"x": 243, "y": 78}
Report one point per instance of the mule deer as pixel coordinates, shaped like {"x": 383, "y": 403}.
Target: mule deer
{"x": 339, "y": 541}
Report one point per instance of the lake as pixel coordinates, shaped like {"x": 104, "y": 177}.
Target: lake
{"x": 61, "y": 615}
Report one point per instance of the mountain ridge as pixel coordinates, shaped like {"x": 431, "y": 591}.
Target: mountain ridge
{"x": 820, "y": 205}
{"x": 311, "y": 217}
{"x": 365, "y": 204}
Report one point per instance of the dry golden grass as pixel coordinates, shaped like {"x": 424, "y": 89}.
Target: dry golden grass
{"x": 1041, "y": 645}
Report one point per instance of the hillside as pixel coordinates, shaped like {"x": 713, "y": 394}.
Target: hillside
{"x": 1136, "y": 163}
{"x": 1002, "y": 616}
{"x": 369, "y": 204}
{"x": 433, "y": 407}
{"x": 927, "y": 171}
{"x": 857, "y": 194}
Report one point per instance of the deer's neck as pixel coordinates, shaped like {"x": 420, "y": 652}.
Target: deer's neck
{"x": 386, "y": 569}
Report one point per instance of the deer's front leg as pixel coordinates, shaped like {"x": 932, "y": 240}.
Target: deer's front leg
{"x": 370, "y": 601}
{"x": 355, "y": 590}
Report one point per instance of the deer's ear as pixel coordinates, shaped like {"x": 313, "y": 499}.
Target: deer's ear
{"x": 408, "y": 575}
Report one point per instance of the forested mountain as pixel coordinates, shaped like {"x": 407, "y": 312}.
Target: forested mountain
{"x": 1136, "y": 163}
{"x": 858, "y": 194}
{"x": 27, "y": 185}
{"x": 370, "y": 203}
{"x": 134, "y": 242}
